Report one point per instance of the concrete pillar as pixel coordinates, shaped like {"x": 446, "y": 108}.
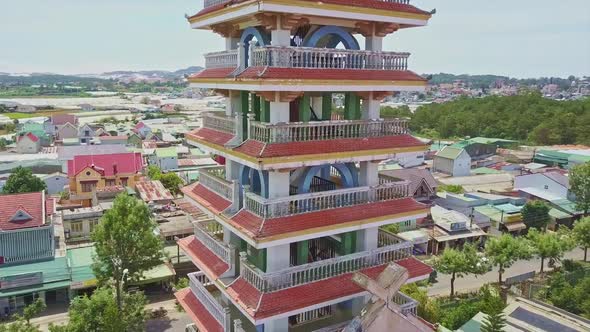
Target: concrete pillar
{"x": 371, "y": 108}
{"x": 232, "y": 103}
{"x": 367, "y": 239}
{"x": 277, "y": 257}
{"x": 278, "y": 184}
{"x": 368, "y": 173}
{"x": 280, "y": 37}
{"x": 317, "y": 104}
{"x": 232, "y": 170}
{"x": 226, "y": 235}
{"x": 231, "y": 43}
{"x": 279, "y": 112}
{"x": 374, "y": 43}
{"x": 277, "y": 325}
{"x": 358, "y": 303}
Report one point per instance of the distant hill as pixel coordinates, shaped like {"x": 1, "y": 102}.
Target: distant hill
{"x": 485, "y": 81}
{"x": 123, "y": 75}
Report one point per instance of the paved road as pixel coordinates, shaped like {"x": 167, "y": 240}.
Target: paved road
{"x": 175, "y": 321}
{"x": 470, "y": 283}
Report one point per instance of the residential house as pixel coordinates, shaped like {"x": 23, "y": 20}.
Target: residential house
{"x": 86, "y": 133}
{"x": 166, "y": 158}
{"x": 453, "y": 161}
{"x": 55, "y": 182}
{"x": 134, "y": 140}
{"x": 91, "y": 173}
{"x": 153, "y": 192}
{"x": 79, "y": 223}
{"x": 26, "y": 229}
{"x": 548, "y": 185}
{"x": 142, "y": 129}
{"x": 26, "y": 109}
{"x": 67, "y": 131}
{"x": 56, "y": 121}
{"x": 167, "y": 108}
{"x": 422, "y": 185}
{"x": 86, "y": 107}
{"x": 452, "y": 229}
{"x": 37, "y": 129}
{"x": 28, "y": 143}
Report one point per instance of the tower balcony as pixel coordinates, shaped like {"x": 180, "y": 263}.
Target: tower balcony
{"x": 222, "y": 59}
{"x": 212, "y": 3}
{"x": 327, "y": 200}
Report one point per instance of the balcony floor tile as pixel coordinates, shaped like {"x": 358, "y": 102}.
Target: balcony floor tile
{"x": 205, "y": 259}
{"x": 197, "y": 312}
{"x": 262, "y": 305}
{"x": 269, "y": 229}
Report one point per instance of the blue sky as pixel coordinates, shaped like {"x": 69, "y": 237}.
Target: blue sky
{"x": 521, "y": 38}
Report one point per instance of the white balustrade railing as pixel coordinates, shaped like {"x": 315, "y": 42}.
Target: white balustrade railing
{"x": 225, "y": 252}
{"x": 325, "y": 130}
{"x": 385, "y": 238}
{"x": 223, "y": 59}
{"x": 326, "y": 58}
{"x": 311, "y": 202}
{"x": 324, "y": 269}
{"x": 408, "y": 305}
{"x": 219, "y": 122}
{"x": 219, "y": 312}
{"x": 210, "y": 178}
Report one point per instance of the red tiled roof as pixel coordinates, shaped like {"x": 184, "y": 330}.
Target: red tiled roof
{"x": 415, "y": 267}
{"x": 207, "y": 261}
{"x": 30, "y": 203}
{"x": 330, "y": 74}
{"x": 261, "y": 150}
{"x": 214, "y": 73}
{"x": 49, "y": 206}
{"x": 260, "y": 228}
{"x": 62, "y": 119}
{"x": 311, "y": 74}
{"x": 210, "y": 135}
{"x": 260, "y": 305}
{"x": 31, "y": 136}
{"x": 206, "y": 197}
{"x": 353, "y": 3}
{"x": 139, "y": 125}
{"x": 153, "y": 191}
{"x": 126, "y": 163}
{"x": 197, "y": 311}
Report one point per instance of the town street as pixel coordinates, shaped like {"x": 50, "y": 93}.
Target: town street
{"x": 470, "y": 282}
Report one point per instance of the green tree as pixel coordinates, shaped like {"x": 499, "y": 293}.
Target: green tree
{"x": 33, "y": 309}
{"x": 451, "y": 188}
{"x": 172, "y": 182}
{"x": 19, "y": 325}
{"x": 22, "y": 180}
{"x": 535, "y": 214}
{"x": 549, "y": 245}
{"x": 126, "y": 244}
{"x": 144, "y": 100}
{"x": 494, "y": 323}
{"x": 100, "y": 312}
{"x": 154, "y": 172}
{"x": 428, "y": 307}
{"x": 580, "y": 186}
{"x": 459, "y": 263}
{"x": 581, "y": 234}
{"x": 504, "y": 251}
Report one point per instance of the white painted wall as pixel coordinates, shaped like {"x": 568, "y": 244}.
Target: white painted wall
{"x": 540, "y": 182}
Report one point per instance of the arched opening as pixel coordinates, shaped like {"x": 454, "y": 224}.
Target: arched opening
{"x": 325, "y": 178}
{"x": 258, "y": 36}
{"x": 256, "y": 179}
{"x": 331, "y": 37}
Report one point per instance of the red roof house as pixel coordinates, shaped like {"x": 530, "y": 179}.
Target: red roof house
{"x": 18, "y": 211}
{"x": 107, "y": 164}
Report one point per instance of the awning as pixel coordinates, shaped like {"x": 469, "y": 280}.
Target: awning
{"x": 515, "y": 226}
{"x": 37, "y": 288}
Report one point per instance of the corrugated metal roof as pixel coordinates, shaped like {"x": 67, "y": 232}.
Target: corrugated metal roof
{"x": 449, "y": 152}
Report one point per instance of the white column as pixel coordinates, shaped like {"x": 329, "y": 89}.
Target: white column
{"x": 374, "y": 43}
{"x": 279, "y": 112}
{"x": 371, "y": 108}
{"x": 369, "y": 173}
{"x": 277, "y": 325}
{"x": 232, "y": 170}
{"x": 280, "y": 37}
{"x": 277, "y": 258}
{"x": 278, "y": 184}
{"x": 226, "y": 235}
{"x": 316, "y": 104}
{"x": 232, "y": 103}
{"x": 231, "y": 43}
{"x": 367, "y": 239}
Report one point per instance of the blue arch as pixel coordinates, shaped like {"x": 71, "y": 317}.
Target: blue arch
{"x": 257, "y": 180}
{"x": 349, "y": 178}
{"x": 262, "y": 38}
{"x": 330, "y": 36}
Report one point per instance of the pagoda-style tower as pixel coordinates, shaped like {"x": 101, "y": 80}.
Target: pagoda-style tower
{"x": 297, "y": 206}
